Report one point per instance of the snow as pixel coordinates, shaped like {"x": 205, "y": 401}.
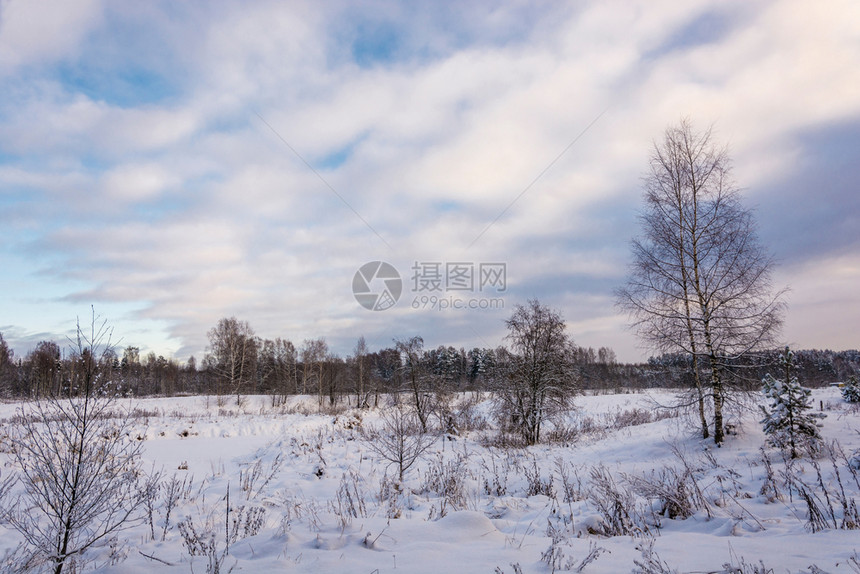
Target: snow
{"x": 320, "y": 466}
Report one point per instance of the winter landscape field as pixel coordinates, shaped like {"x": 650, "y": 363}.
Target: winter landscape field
{"x": 621, "y": 484}
{"x": 399, "y": 287}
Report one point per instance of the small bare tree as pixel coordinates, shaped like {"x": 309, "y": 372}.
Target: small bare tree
{"x": 400, "y": 441}
{"x": 415, "y": 377}
{"x": 540, "y": 378}
{"x": 78, "y": 466}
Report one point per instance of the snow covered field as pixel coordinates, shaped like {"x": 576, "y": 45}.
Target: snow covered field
{"x": 307, "y": 494}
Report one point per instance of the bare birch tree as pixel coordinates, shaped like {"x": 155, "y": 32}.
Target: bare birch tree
{"x": 233, "y": 356}
{"x": 359, "y": 360}
{"x": 277, "y": 366}
{"x": 700, "y": 281}
{"x": 313, "y": 356}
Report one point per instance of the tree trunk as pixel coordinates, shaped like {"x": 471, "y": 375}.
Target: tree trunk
{"x": 719, "y": 399}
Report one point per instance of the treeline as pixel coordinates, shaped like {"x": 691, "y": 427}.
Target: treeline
{"x": 813, "y": 368}
{"x": 238, "y": 362}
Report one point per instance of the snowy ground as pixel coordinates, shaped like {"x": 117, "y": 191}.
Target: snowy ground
{"x": 308, "y": 495}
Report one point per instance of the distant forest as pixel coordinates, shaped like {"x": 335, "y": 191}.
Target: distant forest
{"x": 238, "y": 362}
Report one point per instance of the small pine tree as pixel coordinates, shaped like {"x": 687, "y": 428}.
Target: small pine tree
{"x": 787, "y": 422}
{"x": 851, "y": 390}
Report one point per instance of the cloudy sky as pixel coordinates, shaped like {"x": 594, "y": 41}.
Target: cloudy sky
{"x": 174, "y": 163}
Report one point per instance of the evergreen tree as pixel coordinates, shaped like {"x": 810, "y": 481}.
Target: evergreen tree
{"x": 851, "y": 390}
{"x": 786, "y": 421}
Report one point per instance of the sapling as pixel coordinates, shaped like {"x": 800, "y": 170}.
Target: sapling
{"x": 851, "y": 390}
{"x": 787, "y": 421}
{"x": 400, "y": 441}
{"x": 77, "y": 464}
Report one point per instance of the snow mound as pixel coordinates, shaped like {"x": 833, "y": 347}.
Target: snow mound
{"x": 466, "y": 524}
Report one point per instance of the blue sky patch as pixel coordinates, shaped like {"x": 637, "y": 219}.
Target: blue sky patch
{"x": 336, "y": 159}
{"x": 376, "y": 43}
{"x": 129, "y": 87}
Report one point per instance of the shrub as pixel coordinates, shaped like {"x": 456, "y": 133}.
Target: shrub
{"x": 616, "y": 504}
{"x": 400, "y": 441}
{"x": 787, "y": 422}
{"x": 851, "y": 390}
{"x": 79, "y": 466}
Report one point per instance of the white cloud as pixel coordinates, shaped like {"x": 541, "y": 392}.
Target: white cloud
{"x": 822, "y": 302}
{"x": 35, "y": 31}
{"x": 189, "y": 208}
{"x": 137, "y": 182}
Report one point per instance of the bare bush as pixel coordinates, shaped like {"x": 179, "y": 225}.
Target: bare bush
{"x": 854, "y": 562}
{"x": 850, "y": 519}
{"x": 554, "y": 557}
{"x": 496, "y": 475}
{"x": 295, "y": 509}
{"x": 562, "y": 432}
{"x": 536, "y": 484}
{"x": 571, "y": 484}
{"x": 467, "y": 417}
{"x": 18, "y": 559}
{"x": 246, "y": 521}
{"x": 256, "y": 476}
{"x": 818, "y": 511}
{"x": 393, "y": 496}
{"x": 203, "y": 538}
{"x": 743, "y": 567}
{"x": 558, "y": 561}
{"x": 149, "y": 492}
{"x": 350, "y": 501}
{"x": 588, "y": 426}
{"x": 616, "y": 504}
{"x": 400, "y": 440}
{"x": 77, "y": 462}
{"x": 502, "y": 440}
{"x": 770, "y": 487}
{"x": 828, "y": 505}
{"x": 651, "y": 563}
{"x": 675, "y": 490}
{"x": 447, "y": 479}
{"x": 173, "y": 490}
{"x": 203, "y": 543}
{"x": 5, "y": 485}
{"x": 631, "y": 417}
